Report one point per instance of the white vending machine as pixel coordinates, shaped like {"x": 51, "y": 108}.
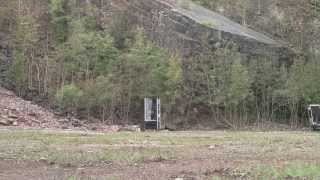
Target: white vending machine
{"x": 152, "y": 113}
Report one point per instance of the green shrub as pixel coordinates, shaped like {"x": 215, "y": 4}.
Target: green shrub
{"x": 68, "y": 98}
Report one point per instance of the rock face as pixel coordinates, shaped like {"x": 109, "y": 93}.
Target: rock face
{"x": 180, "y": 25}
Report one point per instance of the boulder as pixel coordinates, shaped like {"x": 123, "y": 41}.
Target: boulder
{"x": 6, "y": 121}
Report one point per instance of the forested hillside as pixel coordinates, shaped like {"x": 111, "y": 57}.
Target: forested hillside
{"x": 64, "y": 54}
{"x": 87, "y": 59}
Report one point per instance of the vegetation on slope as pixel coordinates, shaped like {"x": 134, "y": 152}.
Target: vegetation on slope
{"x": 90, "y": 66}
{"x": 80, "y": 65}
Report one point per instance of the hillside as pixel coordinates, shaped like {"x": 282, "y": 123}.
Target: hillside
{"x": 223, "y": 67}
{"x": 159, "y": 89}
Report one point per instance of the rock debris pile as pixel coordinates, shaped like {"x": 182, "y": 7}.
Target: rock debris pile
{"x": 15, "y": 111}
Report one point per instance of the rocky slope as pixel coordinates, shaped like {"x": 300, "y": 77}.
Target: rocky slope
{"x": 15, "y": 111}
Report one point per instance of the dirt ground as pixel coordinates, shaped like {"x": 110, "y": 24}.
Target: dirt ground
{"x": 57, "y": 155}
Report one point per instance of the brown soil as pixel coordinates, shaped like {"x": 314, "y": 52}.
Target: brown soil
{"x": 186, "y": 169}
{"x": 202, "y": 163}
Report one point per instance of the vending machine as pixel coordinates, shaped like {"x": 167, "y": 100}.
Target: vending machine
{"x": 152, "y": 114}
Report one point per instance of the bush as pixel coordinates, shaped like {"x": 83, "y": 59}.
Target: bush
{"x": 68, "y": 98}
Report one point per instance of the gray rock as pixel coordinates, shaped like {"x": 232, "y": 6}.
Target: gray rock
{"x": 5, "y": 122}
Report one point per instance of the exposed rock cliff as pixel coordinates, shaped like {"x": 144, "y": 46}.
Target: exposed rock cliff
{"x": 189, "y": 28}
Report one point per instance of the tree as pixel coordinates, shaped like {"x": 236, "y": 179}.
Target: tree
{"x": 174, "y": 77}
{"x": 7, "y": 17}
{"x": 303, "y": 81}
{"x": 303, "y": 87}
{"x": 121, "y": 30}
{"x": 239, "y": 88}
{"x": 26, "y": 39}
{"x": 68, "y": 98}
{"x": 238, "y": 91}
{"x": 244, "y": 6}
{"x": 60, "y": 19}
{"x": 106, "y": 94}
{"x": 146, "y": 67}
{"x": 140, "y": 72}
{"x": 18, "y": 73}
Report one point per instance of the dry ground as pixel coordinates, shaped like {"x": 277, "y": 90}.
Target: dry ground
{"x": 29, "y": 154}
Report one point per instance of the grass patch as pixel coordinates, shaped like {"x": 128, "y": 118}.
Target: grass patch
{"x": 184, "y": 139}
{"x": 126, "y": 156}
{"x": 293, "y": 170}
{"x": 113, "y": 138}
{"x": 208, "y": 24}
{"x": 69, "y": 155}
{"x": 297, "y": 170}
{"x": 76, "y": 149}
